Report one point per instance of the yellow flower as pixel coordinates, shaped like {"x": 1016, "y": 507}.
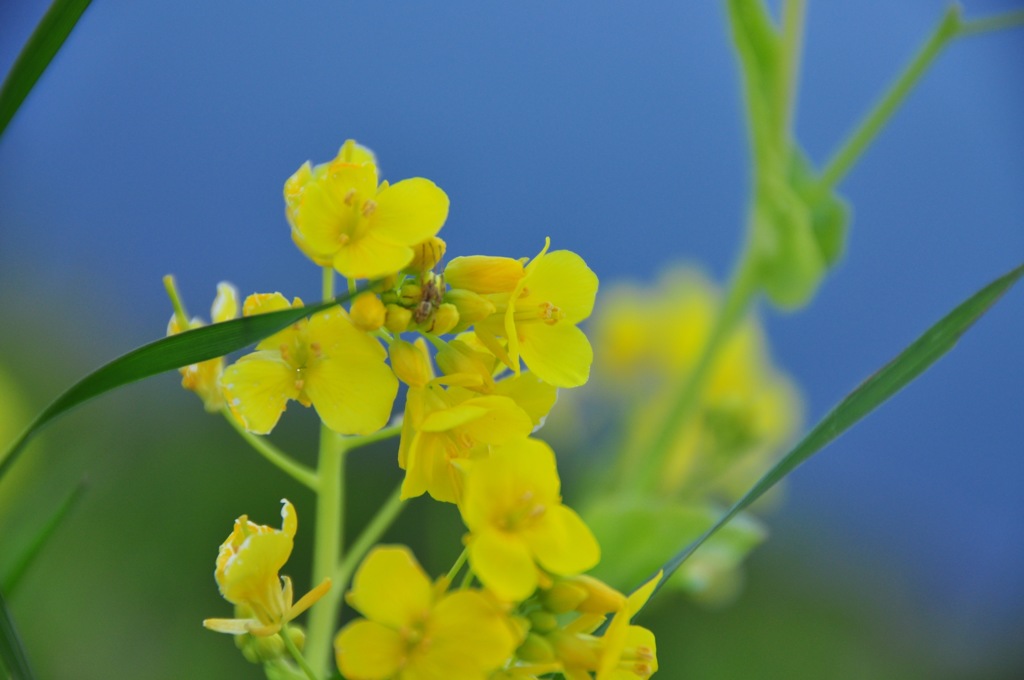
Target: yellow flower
{"x": 324, "y": 361}
{"x": 629, "y": 651}
{"x": 413, "y": 630}
{"x": 204, "y": 378}
{"x": 475, "y": 367}
{"x": 247, "y": 575}
{"x": 340, "y": 217}
{"x": 538, "y": 309}
{"x": 516, "y": 521}
{"x": 444, "y": 431}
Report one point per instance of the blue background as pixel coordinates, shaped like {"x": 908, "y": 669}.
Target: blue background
{"x": 160, "y": 137}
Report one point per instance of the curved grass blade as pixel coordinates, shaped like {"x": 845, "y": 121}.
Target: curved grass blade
{"x": 40, "y": 49}
{"x": 874, "y": 391}
{"x": 190, "y": 347}
{"x": 12, "y": 652}
{"x": 17, "y": 569}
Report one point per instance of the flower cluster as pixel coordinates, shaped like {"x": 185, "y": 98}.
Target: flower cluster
{"x": 482, "y": 345}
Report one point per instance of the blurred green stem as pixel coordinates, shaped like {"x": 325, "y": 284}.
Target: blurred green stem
{"x": 279, "y": 458}
{"x": 459, "y": 562}
{"x": 793, "y": 12}
{"x": 684, "y": 403}
{"x": 371, "y": 534}
{"x": 328, "y": 539}
{"x": 950, "y": 27}
{"x": 380, "y": 435}
{"x": 297, "y": 655}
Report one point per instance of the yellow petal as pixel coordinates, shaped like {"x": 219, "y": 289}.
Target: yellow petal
{"x": 320, "y": 224}
{"x": 257, "y": 388}
{"x": 469, "y": 636}
{"x": 565, "y": 280}
{"x": 450, "y": 418}
{"x": 366, "y": 650}
{"x": 289, "y": 520}
{"x": 409, "y": 212}
{"x": 504, "y": 564}
{"x": 559, "y": 354}
{"x": 502, "y": 420}
{"x": 562, "y": 543}
{"x": 225, "y": 305}
{"x": 352, "y": 152}
{"x": 230, "y": 626}
{"x": 251, "y": 574}
{"x": 350, "y": 184}
{"x": 530, "y": 393}
{"x": 350, "y": 386}
{"x": 390, "y": 587}
{"x": 370, "y": 258}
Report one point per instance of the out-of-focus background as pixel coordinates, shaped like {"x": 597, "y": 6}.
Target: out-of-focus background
{"x": 158, "y": 142}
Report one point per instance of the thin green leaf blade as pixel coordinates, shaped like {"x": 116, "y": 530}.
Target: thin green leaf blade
{"x": 20, "y": 564}
{"x": 12, "y": 652}
{"x": 871, "y": 394}
{"x": 167, "y": 354}
{"x": 40, "y": 49}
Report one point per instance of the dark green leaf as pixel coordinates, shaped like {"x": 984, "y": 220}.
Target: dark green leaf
{"x": 12, "y": 653}
{"x": 19, "y": 564}
{"x": 190, "y": 347}
{"x": 874, "y": 391}
{"x": 41, "y": 47}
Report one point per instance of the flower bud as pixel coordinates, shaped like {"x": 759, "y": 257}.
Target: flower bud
{"x": 368, "y": 312}
{"x": 410, "y": 294}
{"x": 397, "y": 319}
{"x": 411, "y": 363}
{"x": 443, "y": 320}
{"x": 543, "y": 621}
{"x": 483, "y": 274}
{"x": 427, "y": 254}
{"x": 459, "y": 358}
{"x": 225, "y": 305}
{"x": 564, "y": 596}
{"x": 535, "y": 649}
{"x": 601, "y": 598}
{"x": 472, "y": 306}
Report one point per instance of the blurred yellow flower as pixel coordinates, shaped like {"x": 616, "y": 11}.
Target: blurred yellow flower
{"x": 203, "y": 378}
{"x": 414, "y": 630}
{"x": 649, "y": 342}
{"x": 340, "y": 217}
{"x": 513, "y": 509}
{"x": 247, "y": 575}
{"x": 324, "y": 361}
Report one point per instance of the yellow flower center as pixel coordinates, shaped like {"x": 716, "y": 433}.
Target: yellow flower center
{"x": 523, "y": 513}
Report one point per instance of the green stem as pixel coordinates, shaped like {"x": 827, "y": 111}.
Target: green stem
{"x": 999, "y": 22}
{"x": 948, "y": 29}
{"x": 385, "y": 516}
{"x": 684, "y": 405}
{"x": 327, "y": 544}
{"x": 279, "y": 458}
{"x": 330, "y": 523}
{"x": 297, "y": 655}
{"x": 380, "y": 435}
{"x": 793, "y": 13}
{"x": 454, "y": 571}
{"x": 171, "y": 286}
